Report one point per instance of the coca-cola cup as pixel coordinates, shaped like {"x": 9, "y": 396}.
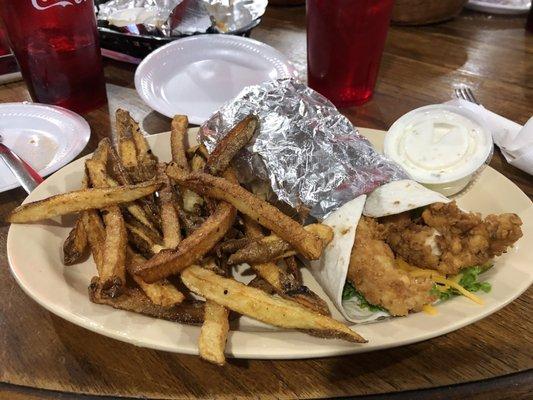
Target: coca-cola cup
{"x": 56, "y": 45}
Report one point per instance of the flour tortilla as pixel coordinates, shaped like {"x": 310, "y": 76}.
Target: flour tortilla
{"x": 332, "y": 269}
{"x": 400, "y": 196}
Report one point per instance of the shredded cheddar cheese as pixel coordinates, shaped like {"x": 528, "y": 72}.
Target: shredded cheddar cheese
{"x": 429, "y": 309}
{"x": 443, "y": 283}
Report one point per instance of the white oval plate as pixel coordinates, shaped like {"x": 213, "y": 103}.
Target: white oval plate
{"x": 46, "y": 137}
{"x": 196, "y": 75}
{"x": 63, "y": 290}
{"x": 500, "y": 6}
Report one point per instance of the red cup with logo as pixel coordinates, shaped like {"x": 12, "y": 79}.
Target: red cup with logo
{"x": 56, "y": 45}
{"x": 345, "y": 40}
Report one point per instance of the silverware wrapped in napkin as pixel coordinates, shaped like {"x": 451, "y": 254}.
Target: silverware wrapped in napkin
{"x": 309, "y": 153}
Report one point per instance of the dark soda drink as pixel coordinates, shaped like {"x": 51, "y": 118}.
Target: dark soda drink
{"x": 56, "y": 45}
{"x": 345, "y": 40}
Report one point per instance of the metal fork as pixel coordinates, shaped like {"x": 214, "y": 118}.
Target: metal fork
{"x": 29, "y": 178}
{"x": 466, "y": 93}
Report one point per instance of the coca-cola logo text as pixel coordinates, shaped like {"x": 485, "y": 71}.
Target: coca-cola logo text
{"x": 46, "y": 4}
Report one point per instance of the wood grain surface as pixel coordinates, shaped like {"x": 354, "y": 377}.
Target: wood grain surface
{"x": 421, "y": 65}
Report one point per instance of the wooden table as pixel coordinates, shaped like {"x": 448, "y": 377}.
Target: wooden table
{"x": 44, "y": 357}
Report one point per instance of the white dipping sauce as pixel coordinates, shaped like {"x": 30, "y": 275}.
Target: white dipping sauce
{"x": 440, "y": 146}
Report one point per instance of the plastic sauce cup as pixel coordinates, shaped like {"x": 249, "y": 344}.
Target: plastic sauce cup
{"x": 440, "y": 146}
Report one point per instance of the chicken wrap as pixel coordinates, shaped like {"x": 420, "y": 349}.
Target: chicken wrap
{"x": 404, "y": 247}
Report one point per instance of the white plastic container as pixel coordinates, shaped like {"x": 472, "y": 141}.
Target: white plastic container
{"x": 440, "y": 146}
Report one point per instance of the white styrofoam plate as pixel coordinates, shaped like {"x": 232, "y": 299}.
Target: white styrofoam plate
{"x": 46, "y": 137}
{"x": 63, "y": 290}
{"x": 500, "y": 6}
{"x": 196, "y": 75}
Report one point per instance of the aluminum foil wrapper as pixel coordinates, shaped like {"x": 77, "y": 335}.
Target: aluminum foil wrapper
{"x": 309, "y": 153}
{"x": 180, "y": 17}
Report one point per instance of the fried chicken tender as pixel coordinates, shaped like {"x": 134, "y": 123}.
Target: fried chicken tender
{"x": 466, "y": 239}
{"x": 373, "y": 272}
{"x": 448, "y": 239}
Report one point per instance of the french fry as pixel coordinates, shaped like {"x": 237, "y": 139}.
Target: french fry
{"x": 265, "y": 308}
{"x": 141, "y": 144}
{"x": 306, "y": 243}
{"x": 143, "y": 239}
{"x": 169, "y": 216}
{"x": 291, "y": 266}
{"x": 101, "y": 153}
{"x": 190, "y": 249}
{"x": 286, "y": 283}
{"x": 94, "y": 227}
{"x": 231, "y": 144}
{"x": 128, "y": 153}
{"x": 162, "y": 292}
{"x": 123, "y": 124}
{"x": 230, "y": 246}
{"x": 113, "y": 274}
{"x": 252, "y": 229}
{"x": 97, "y": 174}
{"x": 75, "y": 246}
{"x": 197, "y": 162}
{"x": 272, "y": 248}
{"x": 133, "y": 299}
{"x": 133, "y": 208}
{"x": 177, "y": 141}
{"x": 214, "y": 333}
{"x": 80, "y": 200}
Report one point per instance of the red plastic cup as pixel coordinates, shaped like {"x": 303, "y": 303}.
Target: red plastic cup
{"x": 4, "y": 42}
{"x": 56, "y": 45}
{"x": 345, "y": 40}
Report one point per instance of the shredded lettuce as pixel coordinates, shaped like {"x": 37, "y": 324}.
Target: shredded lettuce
{"x": 469, "y": 280}
{"x": 350, "y": 291}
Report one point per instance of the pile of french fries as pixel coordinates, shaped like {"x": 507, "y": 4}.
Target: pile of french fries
{"x": 165, "y": 237}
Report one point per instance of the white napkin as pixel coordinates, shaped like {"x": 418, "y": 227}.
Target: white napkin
{"x": 515, "y": 141}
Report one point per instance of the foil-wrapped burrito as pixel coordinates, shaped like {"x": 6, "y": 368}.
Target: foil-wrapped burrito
{"x": 180, "y": 17}
{"x": 311, "y": 155}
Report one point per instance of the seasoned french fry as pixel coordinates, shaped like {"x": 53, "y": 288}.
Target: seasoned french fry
{"x": 133, "y": 299}
{"x": 190, "y": 249}
{"x": 272, "y": 248}
{"x": 214, "y": 333}
{"x": 197, "y": 163}
{"x": 162, "y": 292}
{"x": 80, "y": 200}
{"x": 263, "y": 307}
{"x": 141, "y": 144}
{"x": 306, "y": 243}
{"x": 113, "y": 276}
{"x": 127, "y": 153}
{"x": 195, "y": 246}
{"x": 123, "y": 124}
{"x": 113, "y": 273}
{"x": 94, "y": 227}
{"x": 101, "y": 153}
{"x": 134, "y": 209}
{"x": 177, "y": 141}
{"x": 231, "y": 144}
{"x": 286, "y": 283}
{"x": 145, "y": 240}
{"x": 230, "y": 246}
{"x": 252, "y": 229}
{"x": 75, "y": 246}
{"x": 169, "y": 216}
